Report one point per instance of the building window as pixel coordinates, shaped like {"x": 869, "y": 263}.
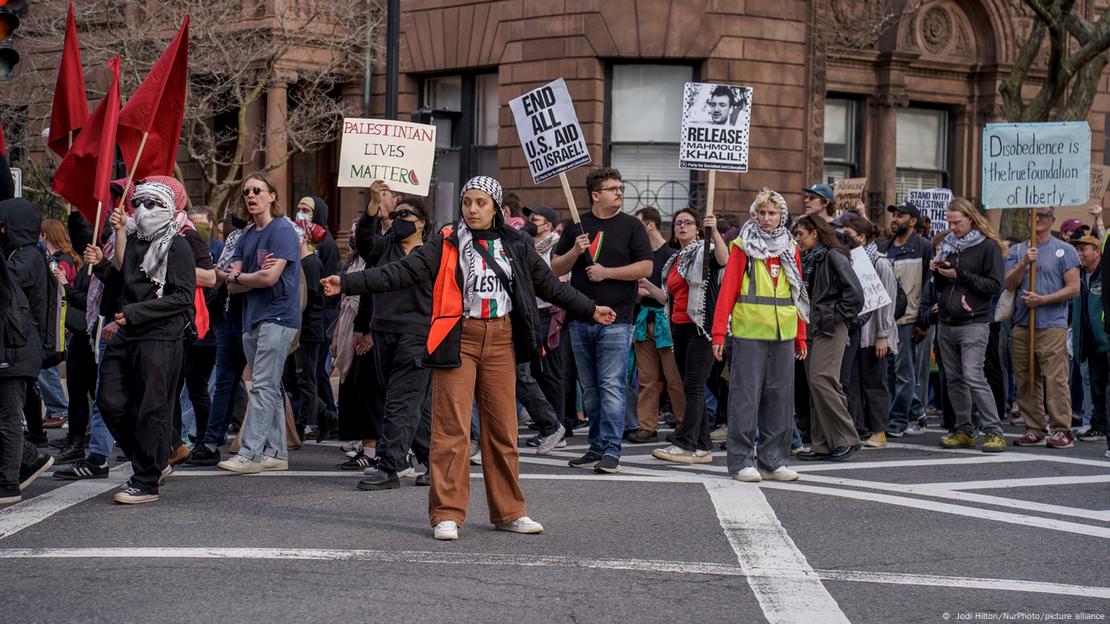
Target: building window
{"x": 464, "y": 110}
{"x": 922, "y": 150}
{"x": 644, "y": 129}
{"x": 841, "y": 159}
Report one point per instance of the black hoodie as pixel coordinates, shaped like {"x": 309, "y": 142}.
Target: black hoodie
{"x": 20, "y": 347}
{"x": 21, "y": 224}
{"x": 326, "y": 250}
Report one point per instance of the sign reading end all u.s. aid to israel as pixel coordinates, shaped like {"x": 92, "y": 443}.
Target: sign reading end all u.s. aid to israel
{"x": 1036, "y": 165}
{"x": 550, "y": 134}
{"x": 716, "y": 120}
{"x": 399, "y": 153}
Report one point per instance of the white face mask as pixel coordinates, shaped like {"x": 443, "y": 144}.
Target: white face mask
{"x": 151, "y": 221}
{"x": 304, "y": 216}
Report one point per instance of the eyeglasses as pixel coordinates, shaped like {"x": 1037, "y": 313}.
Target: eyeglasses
{"x": 257, "y": 190}
{"x": 403, "y": 213}
{"x": 1045, "y": 216}
{"x": 614, "y": 189}
{"x": 685, "y": 222}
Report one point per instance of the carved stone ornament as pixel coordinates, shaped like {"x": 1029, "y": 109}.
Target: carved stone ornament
{"x": 936, "y": 29}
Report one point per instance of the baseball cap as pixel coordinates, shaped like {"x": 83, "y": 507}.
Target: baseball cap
{"x": 906, "y": 208}
{"x": 1086, "y": 240}
{"x": 546, "y": 212}
{"x": 1072, "y": 224}
{"x": 823, "y": 191}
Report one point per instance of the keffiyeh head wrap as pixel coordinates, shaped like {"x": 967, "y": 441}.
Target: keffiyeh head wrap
{"x": 777, "y": 243}
{"x": 486, "y": 184}
{"x": 159, "y": 215}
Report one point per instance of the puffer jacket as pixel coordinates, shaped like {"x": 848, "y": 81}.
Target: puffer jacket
{"x": 835, "y": 294}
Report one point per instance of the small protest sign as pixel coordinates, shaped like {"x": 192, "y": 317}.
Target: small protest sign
{"x": 398, "y": 152}
{"x": 1100, "y": 174}
{"x": 715, "y": 122}
{"x": 1036, "y": 165}
{"x": 549, "y": 131}
{"x": 875, "y": 295}
{"x": 847, "y": 192}
{"x": 932, "y": 203}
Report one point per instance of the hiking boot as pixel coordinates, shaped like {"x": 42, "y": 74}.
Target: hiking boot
{"x": 1029, "y": 439}
{"x": 70, "y": 453}
{"x": 993, "y": 443}
{"x": 960, "y": 439}
{"x": 587, "y": 461}
{"x": 1059, "y": 440}
{"x": 876, "y": 440}
{"x": 83, "y": 469}
{"x": 203, "y": 456}
{"x": 380, "y": 480}
{"x": 609, "y": 464}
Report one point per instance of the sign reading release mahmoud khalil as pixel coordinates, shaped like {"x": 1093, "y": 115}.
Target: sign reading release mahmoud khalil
{"x": 715, "y": 123}
{"x": 1036, "y": 165}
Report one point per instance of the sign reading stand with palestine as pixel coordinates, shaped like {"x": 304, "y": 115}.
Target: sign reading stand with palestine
{"x": 932, "y": 203}
{"x": 1036, "y": 165}
{"x": 715, "y": 123}
{"x": 549, "y": 131}
{"x": 398, "y": 152}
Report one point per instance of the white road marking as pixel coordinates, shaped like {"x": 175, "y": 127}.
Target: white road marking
{"x": 787, "y": 588}
{"x": 1017, "y": 483}
{"x": 1049, "y": 457}
{"x": 633, "y": 565}
{"x": 34, "y": 510}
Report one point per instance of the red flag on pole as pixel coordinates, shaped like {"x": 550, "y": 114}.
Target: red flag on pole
{"x": 150, "y": 122}
{"x": 84, "y": 176}
{"x": 71, "y": 107}
{"x": 3, "y": 143}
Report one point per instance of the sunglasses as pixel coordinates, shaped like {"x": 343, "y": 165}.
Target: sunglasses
{"x": 148, "y": 203}
{"x": 257, "y": 190}
{"x": 404, "y": 213}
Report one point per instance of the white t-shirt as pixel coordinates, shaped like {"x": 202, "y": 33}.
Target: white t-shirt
{"x": 486, "y": 297}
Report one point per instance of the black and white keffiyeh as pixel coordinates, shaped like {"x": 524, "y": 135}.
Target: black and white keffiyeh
{"x": 953, "y": 244}
{"x": 760, "y": 244}
{"x": 154, "y": 221}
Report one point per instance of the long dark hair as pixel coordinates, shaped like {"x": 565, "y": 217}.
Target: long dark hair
{"x": 673, "y": 242}
{"x": 825, "y": 234}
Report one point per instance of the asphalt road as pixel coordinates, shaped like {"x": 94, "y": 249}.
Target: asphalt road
{"x": 910, "y": 533}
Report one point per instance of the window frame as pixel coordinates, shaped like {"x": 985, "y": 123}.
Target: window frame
{"x": 853, "y": 134}
{"x": 946, "y": 135}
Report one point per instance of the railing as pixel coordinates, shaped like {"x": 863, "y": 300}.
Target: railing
{"x": 665, "y": 195}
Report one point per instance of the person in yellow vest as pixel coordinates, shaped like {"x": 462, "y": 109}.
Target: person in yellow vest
{"x": 763, "y": 307}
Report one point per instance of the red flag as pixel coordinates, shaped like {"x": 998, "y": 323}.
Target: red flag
{"x": 85, "y": 174}
{"x": 3, "y": 143}
{"x": 71, "y": 108}
{"x": 157, "y": 109}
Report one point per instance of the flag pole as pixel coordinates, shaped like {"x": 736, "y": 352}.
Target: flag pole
{"x": 69, "y": 146}
{"x": 123, "y": 195}
{"x": 96, "y": 228}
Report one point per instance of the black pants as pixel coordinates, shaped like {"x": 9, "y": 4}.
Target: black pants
{"x": 81, "y": 384}
{"x": 32, "y": 409}
{"x": 570, "y": 381}
{"x": 200, "y": 359}
{"x": 323, "y": 380}
{"x": 361, "y": 401}
{"x": 693, "y": 355}
{"x": 138, "y": 379}
{"x": 300, "y": 377}
{"x": 801, "y": 399}
{"x": 407, "y": 421}
{"x": 848, "y": 369}
{"x": 549, "y": 373}
{"x": 869, "y": 397}
{"x": 1098, "y": 369}
{"x": 996, "y": 374}
{"x": 14, "y": 451}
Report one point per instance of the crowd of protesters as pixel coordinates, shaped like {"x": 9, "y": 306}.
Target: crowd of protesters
{"x": 181, "y": 335}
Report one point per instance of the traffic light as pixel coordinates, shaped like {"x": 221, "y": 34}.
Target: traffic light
{"x": 10, "y": 12}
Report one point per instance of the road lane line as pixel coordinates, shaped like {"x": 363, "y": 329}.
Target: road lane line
{"x": 1018, "y": 483}
{"x": 34, "y": 510}
{"x": 787, "y": 588}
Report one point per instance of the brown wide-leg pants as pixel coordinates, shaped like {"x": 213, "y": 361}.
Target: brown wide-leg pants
{"x": 487, "y": 375}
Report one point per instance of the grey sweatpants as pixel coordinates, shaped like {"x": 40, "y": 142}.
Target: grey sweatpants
{"x": 831, "y": 425}
{"x": 761, "y": 393}
{"x": 963, "y": 350}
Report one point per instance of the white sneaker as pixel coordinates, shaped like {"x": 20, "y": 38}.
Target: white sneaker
{"x": 447, "y": 530}
{"x": 167, "y": 471}
{"x": 702, "y": 457}
{"x": 720, "y": 434}
{"x": 273, "y": 464}
{"x": 1107, "y": 455}
{"x": 521, "y": 525}
{"x": 352, "y": 447}
{"x": 674, "y": 454}
{"x": 240, "y": 464}
{"x": 782, "y": 473}
{"x": 748, "y": 475}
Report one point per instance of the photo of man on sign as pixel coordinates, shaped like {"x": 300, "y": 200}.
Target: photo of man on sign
{"x": 715, "y": 122}
{"x": 725, "y": 104}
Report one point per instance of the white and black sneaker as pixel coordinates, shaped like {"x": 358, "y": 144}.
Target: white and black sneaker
{"x": 134, "y": 496}
{"x": 28, "y": 474}
{"x": 360, "y": 461}
{"x": 83, "y": 469}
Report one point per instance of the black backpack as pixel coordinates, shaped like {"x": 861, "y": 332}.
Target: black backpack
{"x": 901, "y": 302}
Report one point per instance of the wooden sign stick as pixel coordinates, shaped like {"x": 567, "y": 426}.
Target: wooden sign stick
{"x": 570, "y": 199}
{"x": 1032, "y": 311}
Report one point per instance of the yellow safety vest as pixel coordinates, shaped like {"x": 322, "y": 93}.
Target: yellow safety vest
{"x": 764, "y": 310}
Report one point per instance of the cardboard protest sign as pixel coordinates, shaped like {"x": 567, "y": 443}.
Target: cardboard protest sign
{"x": 1036, "y": 165}
{"x": 1100, "y": 175}
{"x": 715, "y": 123}
{"x": 549, "y": 131}
{"x": 847, "y": 192}
{"x": 932, "y": 203}
{"x": 397, "y": 152}
{"x": 875, "y": 295}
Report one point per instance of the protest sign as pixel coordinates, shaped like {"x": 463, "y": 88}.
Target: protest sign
{"x": 398, "y": 152}
{"x": 932, "y": 203}
{"x": 875, "y": 295}
{"x": 847, "y": 192}
{"x": 1100, "y": 174}
{"x": 1036, "y": 165}
{"x": 715, "y": 123}
{"x": 549, "y": 131}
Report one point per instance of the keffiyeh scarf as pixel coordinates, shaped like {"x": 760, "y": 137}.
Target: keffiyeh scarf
{"x": 761, "y": 245}
{"x": 953, "y": 244}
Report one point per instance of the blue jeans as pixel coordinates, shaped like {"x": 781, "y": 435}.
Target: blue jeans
{"x": 601, "y": 354}
{"x": 100, "y": 439}
{"x": 50, "y": 386}
{"x": 902, "y": 378}
{"x": 266, "y": 347}
{"x": 230, "y": 362}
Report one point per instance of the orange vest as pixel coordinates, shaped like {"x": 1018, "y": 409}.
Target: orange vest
{"x": 447, "y": 304}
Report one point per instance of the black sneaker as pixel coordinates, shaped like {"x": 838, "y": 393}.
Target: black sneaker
{"x": 9, "y": 495}
{"x": 83, "y": 469}
{"x": 203, "y": 456}
{"x": 58, "y": 443}
{"x": 40, "y": 441}
{"x": 642, "y": 436}
{"x": 27, "y": 474}
{"x": 70, "y": 453}
{"x": 380, "y": 480}
{"x": 359, "y": 462}
{"x": 587, "y": 461}
{"x": 896, "y": 432}
{"x": 608, "y": 465}
{"x": 1091, "y": 435}
{"x": 423, "y": 480}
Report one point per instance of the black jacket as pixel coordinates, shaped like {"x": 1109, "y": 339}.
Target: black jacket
{"x": 406, "y": 311}
{"x": 326, "y": 250}
{"x": 150, "y": 317}
{"x": 26, "y": 262}
{"x": 979, "y": 277}
{"x": 422, "y": 265}
{"x": 20, "y": 346}
{"x": 835, "y": 294}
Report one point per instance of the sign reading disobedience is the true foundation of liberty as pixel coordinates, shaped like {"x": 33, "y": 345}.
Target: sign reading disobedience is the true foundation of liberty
{"x": 1036, "y": 165}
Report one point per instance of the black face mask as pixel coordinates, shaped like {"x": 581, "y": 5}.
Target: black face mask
{"x": 238, "y": 223}
{"x": 531, "y": 229}
{"x": 403, "y": 229}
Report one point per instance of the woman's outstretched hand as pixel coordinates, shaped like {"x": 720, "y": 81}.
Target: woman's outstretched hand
{"x": 331, "y": 285}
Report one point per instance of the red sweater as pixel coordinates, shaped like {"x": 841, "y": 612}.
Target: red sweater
{"x": 680, "y": 297}
{"x": 730, "y": 292}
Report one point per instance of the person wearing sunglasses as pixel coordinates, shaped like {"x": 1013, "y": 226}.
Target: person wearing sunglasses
{"x": 399, "y": 330}
{"x": 483, "y": 320}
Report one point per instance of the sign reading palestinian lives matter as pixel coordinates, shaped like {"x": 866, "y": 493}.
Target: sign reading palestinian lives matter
{"x": 1036, "y": 165}
{"x": 847, "y": 192}
{"x": 932, "y": 203}
{"x": 549, "y": 131}
{"x": 875, "y": 295}
{"x": 399, "y": 153}
{"x": 1100, "y": 175}
{"x": 715, "y": 122}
